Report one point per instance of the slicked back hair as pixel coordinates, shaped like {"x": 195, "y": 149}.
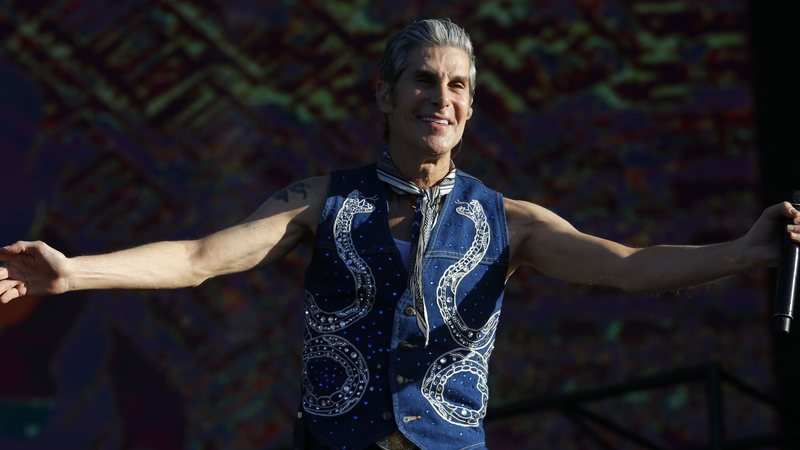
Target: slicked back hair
{"x": 421, "y": 34}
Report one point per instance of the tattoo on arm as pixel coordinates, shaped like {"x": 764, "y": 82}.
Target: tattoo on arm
{"x": 297, "y": 188}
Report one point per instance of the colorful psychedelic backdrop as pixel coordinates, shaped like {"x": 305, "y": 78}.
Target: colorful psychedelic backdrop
{"x": 133, "y": 121}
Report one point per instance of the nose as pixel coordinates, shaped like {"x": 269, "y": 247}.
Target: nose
{"x": 441, "y": 96}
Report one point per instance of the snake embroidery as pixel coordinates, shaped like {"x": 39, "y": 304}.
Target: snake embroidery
{"x": 464, "y": 367}
{"x": 331, "y": 354}
{"x": 331, "y": 321}
{"x": 473, "y": 338}
{"x": 331, "y": 395}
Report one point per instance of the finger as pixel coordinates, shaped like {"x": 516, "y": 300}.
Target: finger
{"x": 9, "y": 295}
{"x": 8, "y": 284}
{"x": 794, "y": 233}
{"x": 18, "y": 248}
{"x": 3, "y": 272}
{"x": 790, "y": 211}
{"x": 11, "y": 289}
{"x": 14, "y": 249}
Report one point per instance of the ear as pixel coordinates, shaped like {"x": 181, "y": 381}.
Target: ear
{"x": 469, "y": 113}
{"x": 383, "y": 97}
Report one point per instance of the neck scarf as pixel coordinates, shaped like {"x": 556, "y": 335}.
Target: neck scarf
{"x": 425, "y": 212}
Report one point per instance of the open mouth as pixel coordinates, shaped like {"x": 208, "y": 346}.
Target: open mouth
{"x": 435, "y": 120}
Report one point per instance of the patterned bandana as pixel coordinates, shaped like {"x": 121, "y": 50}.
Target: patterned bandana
{"x": 428, "y": 205}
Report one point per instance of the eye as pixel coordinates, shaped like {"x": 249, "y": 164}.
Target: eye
{"x": 458, "y": 84}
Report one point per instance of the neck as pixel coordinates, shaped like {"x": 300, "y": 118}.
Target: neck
{"x": 423, "y": 172}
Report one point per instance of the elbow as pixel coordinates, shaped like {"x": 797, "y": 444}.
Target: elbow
{"x": 198, "y": 274}
{"x": 196, "y": 280}
{"x": 627, "y": 284}
{"x": 637, "y": 282}
{"x": 198, "y": 267}
{"x": 627, "y": 276}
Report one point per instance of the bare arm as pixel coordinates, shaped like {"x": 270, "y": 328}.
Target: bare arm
{"x": 545, "y": 241}
{"x": 272, "y": 231}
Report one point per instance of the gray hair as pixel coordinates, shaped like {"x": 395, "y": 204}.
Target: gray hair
{"x": 421, "y": 34}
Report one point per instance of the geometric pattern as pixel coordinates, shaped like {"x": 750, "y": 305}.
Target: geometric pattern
{"x": 135, "y": 121}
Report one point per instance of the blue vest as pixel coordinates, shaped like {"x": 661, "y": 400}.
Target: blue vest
{"x": 366, "y": 370}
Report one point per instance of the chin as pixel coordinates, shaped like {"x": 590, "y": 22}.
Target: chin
{"x": 437, "y": 147}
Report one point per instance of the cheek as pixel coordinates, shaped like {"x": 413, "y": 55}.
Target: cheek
{"x": 410, "y": 103}
{"x": 465, "y": 110}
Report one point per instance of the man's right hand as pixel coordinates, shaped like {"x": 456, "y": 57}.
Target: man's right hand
{"x": 31, "y": 268}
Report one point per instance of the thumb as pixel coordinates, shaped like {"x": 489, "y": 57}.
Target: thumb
{"x": 14, "y": 249}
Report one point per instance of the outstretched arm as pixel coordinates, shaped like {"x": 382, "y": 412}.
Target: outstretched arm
{"x": 545, "y": 241}
{"x": 272, "y": 231}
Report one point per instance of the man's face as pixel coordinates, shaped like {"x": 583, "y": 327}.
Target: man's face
{"x": 432, "y": 102}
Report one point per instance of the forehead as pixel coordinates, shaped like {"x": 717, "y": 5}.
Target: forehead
{"x": 449, "y": 61}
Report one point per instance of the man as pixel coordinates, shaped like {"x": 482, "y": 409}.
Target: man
{"x": 410, "y": 259}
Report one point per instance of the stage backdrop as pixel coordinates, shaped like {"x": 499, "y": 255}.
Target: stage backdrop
{"x": 133, "y": 121}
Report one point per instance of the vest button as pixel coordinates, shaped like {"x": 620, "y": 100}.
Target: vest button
{"x": 409, "y": 311}
{"x": 386, "y": 415}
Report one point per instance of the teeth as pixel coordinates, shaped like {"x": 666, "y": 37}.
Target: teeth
{"x": 434, "y": 120}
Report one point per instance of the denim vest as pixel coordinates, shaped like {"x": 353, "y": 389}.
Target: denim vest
{"x": 366, "y": 370}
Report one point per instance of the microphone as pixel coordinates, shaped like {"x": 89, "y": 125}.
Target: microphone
{"x": 787, "y": 277}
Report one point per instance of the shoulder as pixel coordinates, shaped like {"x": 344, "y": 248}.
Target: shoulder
{"x": 532, "y": 227}
{"x": 522, "y": 212}
{"x": 363, "y": 178}
{"x": 472, "y": 181}
{"x": 300, "y": 203}
{"x": 475, "y": 188}
{"x": 531, "y": 222}
{"x": 305, "y": 192}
